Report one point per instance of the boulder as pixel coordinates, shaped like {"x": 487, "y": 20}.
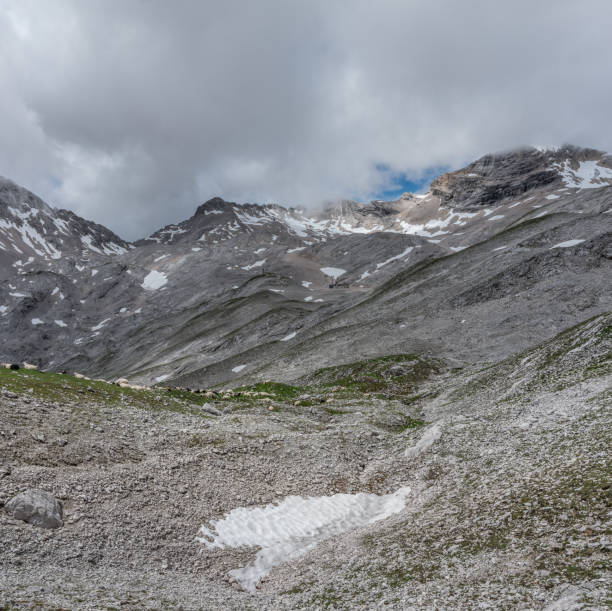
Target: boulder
{"x": 37, "y": 507}
{"x": 398, "y": 370}
{"x": 210, "y": 409}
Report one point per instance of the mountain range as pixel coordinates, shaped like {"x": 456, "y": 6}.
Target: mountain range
{"x": 495, "y": 258}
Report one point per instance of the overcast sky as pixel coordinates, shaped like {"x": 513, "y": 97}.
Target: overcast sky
{"x": 132, "y": 112}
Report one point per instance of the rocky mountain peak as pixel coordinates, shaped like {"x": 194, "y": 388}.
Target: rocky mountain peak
{"x": 495, "y": 177}
{"x": 213, "y": 206}
{"x": 19, "y": 198}
{"x": 32, "y": 230}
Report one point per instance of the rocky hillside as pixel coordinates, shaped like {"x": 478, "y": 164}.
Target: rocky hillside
{"x": 400, "y": 483}
{"x": 32, "y": 232}
{"x": 496, "y": 257}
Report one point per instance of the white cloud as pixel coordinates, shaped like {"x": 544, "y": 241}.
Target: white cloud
{"x": 132, "y": 113}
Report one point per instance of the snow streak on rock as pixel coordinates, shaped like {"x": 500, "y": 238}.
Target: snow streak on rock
{"x": 430, "y": 436}
{"x": 567, "y": 244}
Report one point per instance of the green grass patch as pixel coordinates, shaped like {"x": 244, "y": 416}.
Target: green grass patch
{"x": 387, "y": 376}
{"x": 58, "y": 387}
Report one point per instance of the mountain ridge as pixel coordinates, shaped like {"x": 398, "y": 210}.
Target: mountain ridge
{"x": 195, "y": 299}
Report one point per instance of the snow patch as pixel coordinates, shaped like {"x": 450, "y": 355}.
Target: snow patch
{"x": 28, "y": 233}
{"x": 251, "y": 219}
{"x": 60, "y": 323}
{"x": 589, "y": 175}
{"x": 87, "y": 241}
{"x": 334, "y": 272}
{"x": 238, "y": 368}
{"x": 154, "y": 280}
{"x": 37, "y": 321}
{"x": 545, "y": 148}
{"x": 288, "y": 337}
{"x": 110, "y": 248}
{"x": 287, "y": 530}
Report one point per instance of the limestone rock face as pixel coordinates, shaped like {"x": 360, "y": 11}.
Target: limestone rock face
{"x": 37, "y": 507}
{"x": 494, "y": 177}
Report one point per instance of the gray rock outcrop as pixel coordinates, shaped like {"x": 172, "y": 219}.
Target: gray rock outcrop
{"x": 36, "y": 507}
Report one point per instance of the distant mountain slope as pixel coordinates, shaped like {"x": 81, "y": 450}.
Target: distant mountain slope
{"x": 29, "y": 228}
{"x": 504, "y": 253}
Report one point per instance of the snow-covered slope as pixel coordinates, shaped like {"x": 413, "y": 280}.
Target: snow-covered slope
{"x": 29, "y": 228}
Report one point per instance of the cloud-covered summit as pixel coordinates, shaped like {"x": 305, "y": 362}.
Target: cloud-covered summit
{"x": 132, "y": 112}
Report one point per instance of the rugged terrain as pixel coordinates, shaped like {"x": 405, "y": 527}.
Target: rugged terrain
{"x": 509, "y": 505}
{"x": 496, "y": 257}
{"x": 456, "y": 344}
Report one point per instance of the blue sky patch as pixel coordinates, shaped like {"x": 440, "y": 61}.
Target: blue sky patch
{"x": 396, "y": 183}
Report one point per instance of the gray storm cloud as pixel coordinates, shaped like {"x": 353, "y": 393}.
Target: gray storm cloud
{"x": 132, "y": 112}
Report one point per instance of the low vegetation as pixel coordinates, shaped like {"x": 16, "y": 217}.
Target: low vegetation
{"x": 66, "y": 388}
{"x": 393, "y": 375}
